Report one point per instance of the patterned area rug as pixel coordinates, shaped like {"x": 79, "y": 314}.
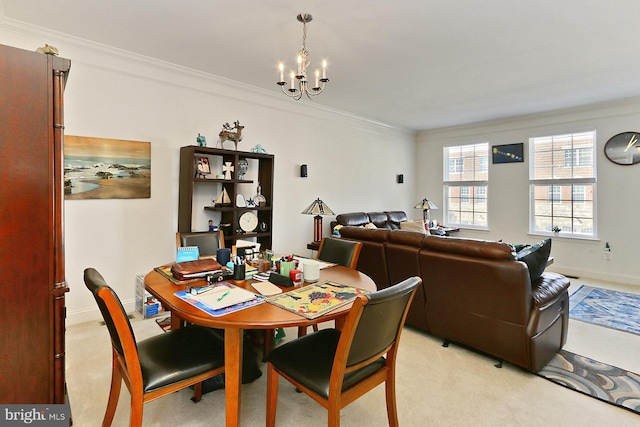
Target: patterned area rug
{"x": 596, "y": 379}
{"x": 604, "y": 307}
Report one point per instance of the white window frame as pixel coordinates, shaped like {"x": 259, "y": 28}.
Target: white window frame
{"x": 476, "y": 182}
{"x": 563, "y": 175}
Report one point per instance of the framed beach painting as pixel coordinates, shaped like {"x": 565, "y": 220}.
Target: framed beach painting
{"x": 104, "y": 168}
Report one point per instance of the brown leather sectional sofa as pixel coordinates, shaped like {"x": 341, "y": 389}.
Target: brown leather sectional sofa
{"x": 474, "y": 292}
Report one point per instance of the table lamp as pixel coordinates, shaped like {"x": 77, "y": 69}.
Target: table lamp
{"x": 426, "y": 205}
{"x": 317, "y": 208}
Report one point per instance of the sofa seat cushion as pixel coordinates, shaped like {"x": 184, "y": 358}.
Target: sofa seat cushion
{"x": 536, "y": 258}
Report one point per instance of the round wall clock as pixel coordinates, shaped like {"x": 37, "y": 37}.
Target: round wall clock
{"x": 623, "y": 148}
{"x": 248, "y": 221}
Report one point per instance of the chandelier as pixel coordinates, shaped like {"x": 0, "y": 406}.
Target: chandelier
{"x": 304, "y": 60}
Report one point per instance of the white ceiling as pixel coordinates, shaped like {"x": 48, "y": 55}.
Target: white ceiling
{"x": 415, "y": 64}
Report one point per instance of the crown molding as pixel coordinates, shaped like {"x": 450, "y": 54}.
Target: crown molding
{"x": 100, "y": 56}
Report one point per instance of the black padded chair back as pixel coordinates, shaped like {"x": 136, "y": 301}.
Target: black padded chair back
{"x": 340, "y": 251}
{"x": 380, "y": 321}
{"x": 95, "y": 282}
{"x": 207, "y": 243}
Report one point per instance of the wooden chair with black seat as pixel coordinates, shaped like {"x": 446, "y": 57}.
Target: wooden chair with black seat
{"x": 340, "y": 251}
{"x": 156, "y": 366}
{"x": 208, "y": 243}
{"x": 337, "y": 367}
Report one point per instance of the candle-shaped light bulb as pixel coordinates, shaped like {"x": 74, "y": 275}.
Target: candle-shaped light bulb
{"x": 281, "y": 67}
{"x": 317, "y": 78}
{"x": 299, "y": 65}
{"x": 293, "y": 78}
{"x": 324, "y": 68}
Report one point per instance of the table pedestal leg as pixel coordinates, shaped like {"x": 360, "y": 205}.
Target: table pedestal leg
{"x": 232, "y": 374}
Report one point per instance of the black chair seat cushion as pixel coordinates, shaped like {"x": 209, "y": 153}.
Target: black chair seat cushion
{"x": 179, "y": 354}
{"x": 309, "y": 360}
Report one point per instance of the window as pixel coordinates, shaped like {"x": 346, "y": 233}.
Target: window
{"x": 554, "y": 193}
{"x": 455, "y": 165}
{"x": 466, "y": 181}
{"x": 562, "y": 181}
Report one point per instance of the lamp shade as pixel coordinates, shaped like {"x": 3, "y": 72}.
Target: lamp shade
{"x": 426, "y": 204}
{"x": 318, "y": 207}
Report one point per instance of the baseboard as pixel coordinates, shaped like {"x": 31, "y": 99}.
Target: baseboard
{"x": 93, "y": 314}
{"x": 608, "y": 277}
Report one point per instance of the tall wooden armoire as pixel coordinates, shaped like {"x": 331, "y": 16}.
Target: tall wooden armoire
{"x": 32, "y": 278}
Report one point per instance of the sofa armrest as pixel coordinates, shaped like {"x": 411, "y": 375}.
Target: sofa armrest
{"x": 548, "y": 288}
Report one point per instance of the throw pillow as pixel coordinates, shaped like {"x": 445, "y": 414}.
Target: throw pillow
{"x": 536, "y": 257}
{"x": 370, "y": 225}
{"x": 416, "y": 226}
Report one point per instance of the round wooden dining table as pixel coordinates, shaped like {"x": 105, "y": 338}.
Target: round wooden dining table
{"x": 262, "y": 316}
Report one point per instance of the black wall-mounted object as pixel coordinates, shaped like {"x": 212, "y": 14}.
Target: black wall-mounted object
{"x": 400, "y": 178}
{"x": 508, "y": 153}
{"x": 303, "y": 171}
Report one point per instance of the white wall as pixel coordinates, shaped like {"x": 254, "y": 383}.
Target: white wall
{"x": 618, "y": 196}
{"x": 352, "y": 162}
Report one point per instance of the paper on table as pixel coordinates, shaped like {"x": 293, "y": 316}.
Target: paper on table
{"x": 323, "y": 264}
{"x": 225, "y": 296}
{"x": 266, "y": 288}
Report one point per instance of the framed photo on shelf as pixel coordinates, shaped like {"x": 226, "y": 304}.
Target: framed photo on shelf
{"x": 508, "y": 153}
{"x": 202, "y": 167}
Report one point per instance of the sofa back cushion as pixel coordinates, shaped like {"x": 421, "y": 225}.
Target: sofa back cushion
{"x": 372, "y": 260}
{"x": 470, "y": 247}
{"x": 479, "y": 302}
{"x": 379, "y": 219}
{"x": 402, "y": 250}
{"x": 354, "y": 219}
{"x": 394, "y": 218}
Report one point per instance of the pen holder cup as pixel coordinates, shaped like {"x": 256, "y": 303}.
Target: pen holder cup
{"x": 238, "y": 272}
{"x": 286, "y": 267}
{"x": 223, "y": 255}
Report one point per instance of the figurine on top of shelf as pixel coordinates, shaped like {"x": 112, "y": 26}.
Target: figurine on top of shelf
{"x": 259, "y": 149}
{"x": 227, "y": 134}
{"x": 48, "y": 50}
{"x": 201, "y": 140}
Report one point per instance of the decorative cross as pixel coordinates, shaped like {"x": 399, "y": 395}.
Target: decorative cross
{"x": 227, "y": 169}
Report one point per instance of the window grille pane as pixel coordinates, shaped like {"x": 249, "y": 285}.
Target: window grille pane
{"x": 566, "y": 164}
